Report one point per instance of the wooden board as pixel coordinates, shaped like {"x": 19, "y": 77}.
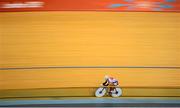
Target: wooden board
{"x": 31, "y": 39}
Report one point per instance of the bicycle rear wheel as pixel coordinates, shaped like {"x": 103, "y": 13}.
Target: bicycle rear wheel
{"x": 117, "y": 92}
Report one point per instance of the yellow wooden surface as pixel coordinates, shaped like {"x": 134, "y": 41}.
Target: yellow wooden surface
{"x": 88, "y": 39}
{"x": 87, "y": 92}
{"x": 53, "y": 78}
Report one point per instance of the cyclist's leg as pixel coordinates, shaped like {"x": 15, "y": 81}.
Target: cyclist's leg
{"x": 111, "y": 88}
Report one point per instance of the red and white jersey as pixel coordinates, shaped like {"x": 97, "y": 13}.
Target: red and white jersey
{"x": 112, "y": 80}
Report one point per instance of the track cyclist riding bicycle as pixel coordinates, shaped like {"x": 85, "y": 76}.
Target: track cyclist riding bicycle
{"x": 113, "y": 90}
{"x": 112, "y": 82}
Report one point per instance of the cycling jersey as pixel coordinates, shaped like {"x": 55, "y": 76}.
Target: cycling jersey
{"x": 110, "y": 81}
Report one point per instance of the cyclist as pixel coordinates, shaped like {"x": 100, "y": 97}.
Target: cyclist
{"x": 112, "y": 82}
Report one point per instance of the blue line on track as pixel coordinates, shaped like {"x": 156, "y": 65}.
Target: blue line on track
{"x": 86, "y": 101}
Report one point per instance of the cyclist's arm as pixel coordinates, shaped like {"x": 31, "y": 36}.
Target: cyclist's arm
{"x": 106, "y": 83}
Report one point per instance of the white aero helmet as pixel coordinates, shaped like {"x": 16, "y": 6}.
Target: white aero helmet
{"x": 106, "y": 77}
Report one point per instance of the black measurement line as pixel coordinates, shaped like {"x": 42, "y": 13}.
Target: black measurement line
{"x": 59, "y": 67}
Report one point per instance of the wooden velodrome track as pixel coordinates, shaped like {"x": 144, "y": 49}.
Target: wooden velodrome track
{"x": 45, "y": 39}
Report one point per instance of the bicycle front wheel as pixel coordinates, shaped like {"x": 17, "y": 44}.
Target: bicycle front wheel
{"x": 100, "y": 92}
